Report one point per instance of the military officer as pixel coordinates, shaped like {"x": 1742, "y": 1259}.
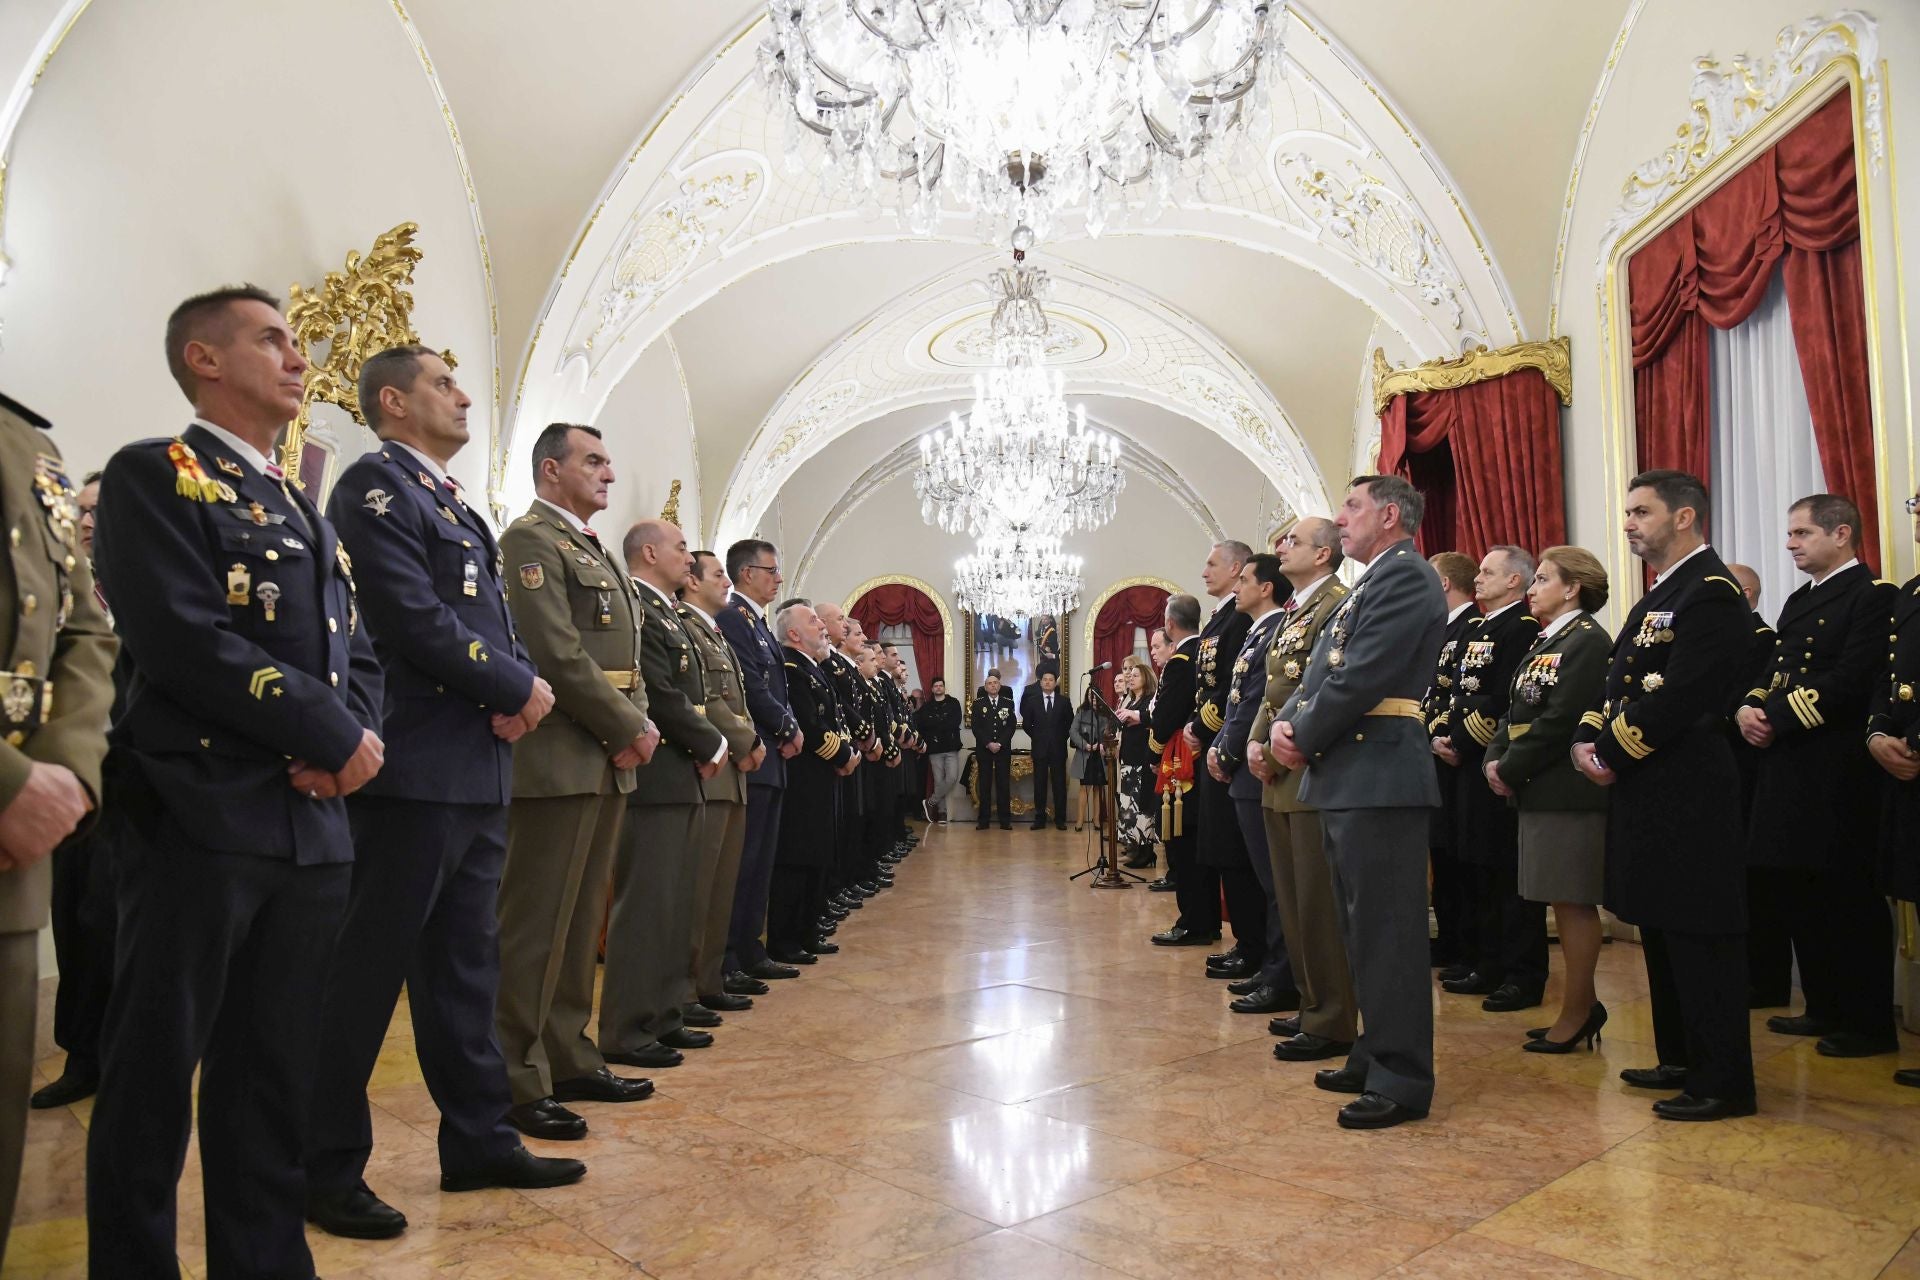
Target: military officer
{"x": 723, "y": 819}
{"x": 252, "y": 708}
{"x": 754, "y": 568}
{"x": 809, "y": 818}
{"x": 1510, "y": 933}
{"x": 1167, "y": 718}
{"x": 1893, "y": 740}
{"x": 430, "y": 829}
{"x": 1452, "y": 882}
{"x": 1815, "y": 796}
{"x": 578, "y": 614}
{"x": 1310, "y": 556}
{"x": 1218, "y": 844}
{"x": 855, "y": 700}
{"x": 650, "y": 933}
{"x": 1769, "y": 942}
{"x": 1658, "y": 741}
{"x": 54, "y": 696}
{"x": 992, "y": 721}
{"x": 1250, "y": 888}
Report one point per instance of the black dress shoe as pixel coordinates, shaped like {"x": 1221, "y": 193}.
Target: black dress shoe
{"x": 742, "y": 983}
{"x": 728, "y": 1002}
{"x": 522, "y": 1169}
{"x": 1059, "y": 826}
{"x": 1245, "y": 986}
{"x": 686, "y": 1038}
{"x": 1178, "y": 937}
{"x": 1474, "y": 984}
{"x": 355, "y": 1213}
{"x": 1688, "y": 1107}
{"x": 1266, "y": 1000}
{"x": 771, "y": 971}
{"x": 70, "y": 1088}
{"x": 1660, "y": 1077}
{"x": 1162, "y": 885}
{"x": 1237, "y": 967}
{"x": 795, "y": 956}
{"x": 604, "y": 1086}
{"x": 979, "y": 826}
{"x": 1341, "y": 1080}
{"x": 1307, "y": 1047}
{"x": 653, "y": 1057}
{"x": 1006, "y": 826}
{"x": 1376, "y": 1111}
{"x": 823, "y": 948}
{"x": 1852, "y": 1044}
{"x": 698, "y": 1015}
{"x": 1798, "y": 1025}
{"x": 1908, "y": 1076}
{"x": 1508, "y": 998}
{"x": 1221, "y": 957}
{"x": 1284, "y": 1026}
{"x": 1455, "y": 972}
{"x": 546, "y": 1119}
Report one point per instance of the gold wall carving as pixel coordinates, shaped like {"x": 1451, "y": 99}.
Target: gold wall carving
{"x": 671, "y": 511}
{"x": 1554, "y": 358}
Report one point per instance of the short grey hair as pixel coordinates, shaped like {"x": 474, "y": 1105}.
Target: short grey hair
{"x": 788, "y": 618}
{"x": 1183, "y": 611}
{"x": 1398, "y": 492}
{"x": 1237, "y": 552}
{"x": 1519, "y": 559}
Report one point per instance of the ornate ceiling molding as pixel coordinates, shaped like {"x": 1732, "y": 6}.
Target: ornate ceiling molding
{"x": 15, "y": 104}
{"x": 1554, "y": 358}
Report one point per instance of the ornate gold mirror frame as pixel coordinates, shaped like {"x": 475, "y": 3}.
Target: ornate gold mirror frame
{"x": 967, "y": 621}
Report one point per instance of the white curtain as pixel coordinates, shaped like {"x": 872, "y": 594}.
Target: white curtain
{"x": 1764, "y": 454}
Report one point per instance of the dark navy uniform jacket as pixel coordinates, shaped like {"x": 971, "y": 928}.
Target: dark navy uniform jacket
{"x": 432, "y": 598}
{"x": 236, "y": 610}
{"x": 763, "y": 673}
{"x": 1248, "y": 685}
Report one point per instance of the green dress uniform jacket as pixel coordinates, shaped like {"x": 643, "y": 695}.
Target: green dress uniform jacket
{"x": 675, "y": 680}
{"x": 577, "y": 615}
{"x": 1557, "y": 680}
{"x": 1286, "y": 663}
{"x": 726, "y": 707}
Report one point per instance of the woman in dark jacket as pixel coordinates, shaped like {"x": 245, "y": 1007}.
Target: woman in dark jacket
{"x": 1088, "y": 768}
{"x": 1563, "y": 817}
{"x": 1139, "y": 810}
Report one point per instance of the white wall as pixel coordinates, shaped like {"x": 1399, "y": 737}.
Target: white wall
{"x": 650, "y": 434}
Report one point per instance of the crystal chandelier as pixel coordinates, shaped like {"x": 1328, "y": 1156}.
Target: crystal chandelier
{"x": 1016, "y": 574}
{"x": 1019, "y": 458}
{"x": 1019, "y": 109}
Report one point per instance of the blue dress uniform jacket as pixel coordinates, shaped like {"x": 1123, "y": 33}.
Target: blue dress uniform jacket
{"x": 240, "y": 623}
{"x": 1894, "y": 710}
{"x": 763, "y": 672}
{"x": 435, "y": 604}
{"x": 1243, "y": 706}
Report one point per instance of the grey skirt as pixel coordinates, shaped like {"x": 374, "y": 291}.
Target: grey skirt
{"x": 1563, "y": 856}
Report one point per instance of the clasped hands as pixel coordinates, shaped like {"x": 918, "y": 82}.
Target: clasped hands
{"x": 1754, "y": 726}
{"x": 517, "y": 726}
{"x": 44, "y": 812}
{"x": 1586, "y": 758}
{"x": 318, "y": 784}
{"x": 1286, "y": 752}
{"x": 1895, "y": 756}
{"x": 639, "y": 751}
{"x": 1443, "y": 748}
{"x": 1492, "y": 771}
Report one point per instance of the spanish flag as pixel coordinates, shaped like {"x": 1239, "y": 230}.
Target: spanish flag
{"x": 1174, "y": 781}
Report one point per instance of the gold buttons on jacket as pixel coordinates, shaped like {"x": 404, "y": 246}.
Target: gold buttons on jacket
{"x": 27, "y": 605}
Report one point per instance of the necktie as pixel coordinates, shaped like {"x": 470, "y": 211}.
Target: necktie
{"x": 453, "y": 487}
{"x": 1049, "y": 704}
{"x": 279, "y": 477}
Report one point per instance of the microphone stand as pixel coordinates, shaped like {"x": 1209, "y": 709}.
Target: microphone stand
{"x": 1106, "y": 870}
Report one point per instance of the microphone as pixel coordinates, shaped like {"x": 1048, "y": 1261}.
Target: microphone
{"x": 1103, "y": 666}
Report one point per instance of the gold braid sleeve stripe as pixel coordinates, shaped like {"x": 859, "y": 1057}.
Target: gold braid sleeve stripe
{"x": 1803, "y": 702}
{"x": 1480, "y": 728}
{"x": 1631, "y": 740}
{"x": 1757, "y": 693}
{"x": 829, "y": 745}
{"x": 1594, "y": 720}
{"x": 1210, "y": 716}
{"x": 1155, "y": 745}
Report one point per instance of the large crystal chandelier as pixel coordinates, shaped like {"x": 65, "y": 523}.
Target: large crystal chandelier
{"x": 1016, "y": 574}
{"x": 1019, "y": 458}
{"x": 1019, "y": 109}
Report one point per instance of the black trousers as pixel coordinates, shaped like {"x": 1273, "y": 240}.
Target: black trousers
{"x": 853, "y": 803}
{"x": 794, "y": 906}
{"x": 422, "y": 910}
{"x": 750, "y": 891}
{"x": 995, "y": 775}
{"x": 1698, "y": 986}
{"x": 1510, "y": 933}
{"x": 1843, "y": 934}
{"x": 83, "y": 933}
{"x": 1258, "y": 901}
{"x": 221, "y": 963}
{"x": 1769, "y": 938}
{"x": 1049, "y": 782}
{"x": 1453, "y": 906}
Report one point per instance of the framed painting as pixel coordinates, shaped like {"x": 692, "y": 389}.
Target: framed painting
{"x": 1018, "y": 648}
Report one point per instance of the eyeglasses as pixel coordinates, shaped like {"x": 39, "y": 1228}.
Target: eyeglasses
{"x": 764, "y": 568}
{"x": 1287, "y": 540}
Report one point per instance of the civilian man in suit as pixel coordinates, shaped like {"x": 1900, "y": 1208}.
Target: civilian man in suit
{"x": 810, "y": 820}
{"x": 1769, "y": 944}
{"x": 753, "y": 567}
{"x": 252, "y": 708}
{"x": 992, "y": 722}
{"x": 1354, "y": 725}
{"x": 1893, "y": 740}
{"x": 1218, "y": 845}
{"x": 1047, "y": 716}
{"x": 430, "y": 829}
{"x": 1816, "y": 794}
{"x": 1168, "y": 716}
{"x": 650, "y": 930}
{"x": 1658, "y": 742}
{"x": 576, "y": 612}
{"x": 58, "y": 655}
{"x": 1452, "y": 882}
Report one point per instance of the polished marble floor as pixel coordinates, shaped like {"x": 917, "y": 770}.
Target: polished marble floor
{"x": 999, "y": 1077}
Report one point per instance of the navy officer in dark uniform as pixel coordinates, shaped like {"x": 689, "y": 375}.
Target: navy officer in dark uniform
{"x": 430, "y": 830}
{"x": 1893, "y": 740}
{"x": 252, "y": 708}
{"x": 809, "y": 816}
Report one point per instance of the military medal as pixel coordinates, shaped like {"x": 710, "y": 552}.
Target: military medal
{"x": 269, "y": 593}
{"x": 471, "y": 587}
{"x": 427, "y": 480}
{"x": 226, "y": 491}
{"x": 1653, "y": 681}
{"x": 448, "y": 513}
{"x": 606, "y": 609}
{"x": 1292, "y": 669}
{"x": 257, "y": 513}
{"x": 1334, "y": 656}
{"x": 239, "y": 585}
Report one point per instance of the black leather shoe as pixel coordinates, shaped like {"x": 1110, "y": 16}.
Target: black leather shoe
{"x": 796, "y": 956}
{"x": 70, "y": 1088}
{"x": 1852, "y": 1044}
{"x": 1307, "y": 1047}
{"x": 546, "y": 1119}
{"x": 1908, "y": 1076}
{"x": 1245, "y": 986}
{"x": 742, "y": 983}
{"x": 1284, "y": 1026}
{"x": 1798, "y": 1025}
{"x": 356, "y": 1214}
{"x": 1376, "y": 1111}
{"x": 698, "y": 1015}
{"x": 1341, "y": 1080}
{"x": 771, "y": 971}
{"x": 979, "y": 826}
{"x": 1508, "y": 998}
{"x": 1162, "y": 885}
{"x": 1006, "y": 826}
{"x": 1059, "y": 826}
{"x": 1474, "y": 984}
{"x": 1660, "y": 1077}
{"x": 1234, "y": 968}
{"x": 686, "y": 1038}
{"x": 1221, "y": 957}
{"x": 1455, "y": 972}
{"x": 823, "y": 948}
{"x": 1139, "y": 861}
{"x": 1178, "y": 937}
{"x": 729, "y": 1002}
{"x": 1266, "y": 1000}
{"x": 1688, "y": 1107}
{"x": 522, "y": 1169}
{"x": 604, "y": 1086}
{"x": 653, "y": 1057}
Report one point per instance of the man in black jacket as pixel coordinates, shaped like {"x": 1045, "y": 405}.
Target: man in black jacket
{"x": 1167, "y": 717}
{"x": 1047, "y": 717}
{"x": 992, "y": 722}
{"x": 938, "y": 724}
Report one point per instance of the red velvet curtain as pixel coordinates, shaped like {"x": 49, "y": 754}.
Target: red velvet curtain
{"x": 897, "y": 603}
{"x": 1113, "y": 627}
{"x": 1487, "y": 459}
{"x": 1796, "y": 205}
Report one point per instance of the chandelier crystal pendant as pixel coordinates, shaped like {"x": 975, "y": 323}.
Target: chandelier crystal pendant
{"x": 1017, "y": 574}
{"x": 1019, "y": 109}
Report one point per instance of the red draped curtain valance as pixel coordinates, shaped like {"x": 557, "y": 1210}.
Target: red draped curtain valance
{"x": 1487, "y": 458}
{"x": 1795, "y": 205}
{"x": 895, "y": 604}
{"x": 1113, "y": 628}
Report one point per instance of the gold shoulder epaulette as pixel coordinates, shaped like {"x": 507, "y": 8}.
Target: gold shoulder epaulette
{"x": 189, "y": 481}
{"x": 1180, "y": 657}
{"x": 1729, "y": 581}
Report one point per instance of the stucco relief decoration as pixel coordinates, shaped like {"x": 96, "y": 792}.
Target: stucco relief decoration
{"x": 1729, "y": 99}
{"x": 823, "y": 407}
{"x": 973, "y": 345}
{"x": 1225, "y": 403}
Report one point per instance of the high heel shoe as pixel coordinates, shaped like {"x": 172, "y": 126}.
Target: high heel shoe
{"x": 1589, "y": 1031}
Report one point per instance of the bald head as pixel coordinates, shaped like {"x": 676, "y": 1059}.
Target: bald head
{"x": 1749, "y": 583}
{"x": 657, "y": 554}
{"x": 835, "y": 620}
